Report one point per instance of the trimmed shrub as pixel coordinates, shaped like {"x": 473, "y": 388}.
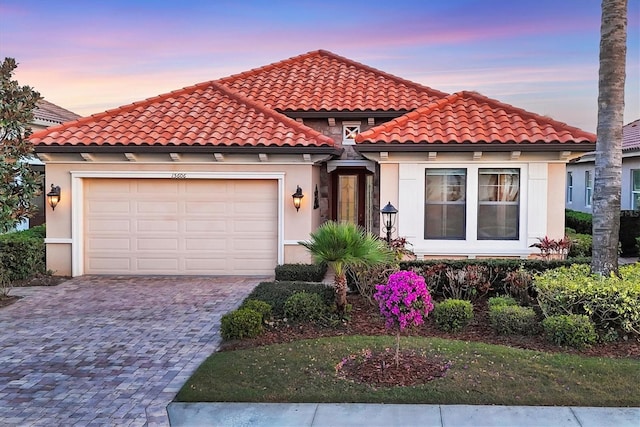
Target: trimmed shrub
{"x": 304, "y": 306}
{"x": 573, "y": 330}
{"x": 502, "y": 301}
{"x": 581, "y": 222}
{"x": 610, "y": 302}
{"x": 581, "y": 245}
{"x": 638, "y": 245}
{"x": 260, "y": 306}
{"x": 241, "y": 323}
{"x": 452, "y": 315}
{"x": 277, "y": 293}
{"x": 301, "y": 272}
{"x": 513, "y": 320}
{"x": 22, "y": 253}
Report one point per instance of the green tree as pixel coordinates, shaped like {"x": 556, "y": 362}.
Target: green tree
{"x": 19, "y": 184}
{"x": 344, "y": 245}
{"x": 608, "y": 164}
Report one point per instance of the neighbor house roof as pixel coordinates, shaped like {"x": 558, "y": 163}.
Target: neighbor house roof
{"x": 631, "y": 136}
{"x": 207, "y": 114}
{"x": 472, "y": 119}
{"x": 53, "y": 113}
{"x": 324, "y": 81}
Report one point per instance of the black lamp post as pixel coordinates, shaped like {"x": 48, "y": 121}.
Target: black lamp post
{"x": 389, "y": 218}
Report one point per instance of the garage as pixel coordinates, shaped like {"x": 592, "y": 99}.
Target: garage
{"x": 180, "y": 226}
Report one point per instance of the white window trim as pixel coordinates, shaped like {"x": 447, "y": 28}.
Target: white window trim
{"x": 77, "y": 203}
{"x": 633, "y": 191}
{"x": 569, "y": 187}
{"x": 588, "y": 188}
{"x": 412, "y": 183}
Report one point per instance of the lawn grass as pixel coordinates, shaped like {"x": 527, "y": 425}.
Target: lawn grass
{"x": 482, "y": 374}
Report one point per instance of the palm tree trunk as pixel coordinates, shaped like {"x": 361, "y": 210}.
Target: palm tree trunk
{"x": 608, "y": 164}
{"x": 340, "y": 283}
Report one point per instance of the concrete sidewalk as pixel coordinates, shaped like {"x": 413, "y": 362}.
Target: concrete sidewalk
{"x": 371, "y": 415}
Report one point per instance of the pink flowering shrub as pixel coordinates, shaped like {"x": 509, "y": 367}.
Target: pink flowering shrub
{"x": 404, "y": 301}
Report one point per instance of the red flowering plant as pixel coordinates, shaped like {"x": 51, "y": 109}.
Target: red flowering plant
{"x": 404, "y": 302}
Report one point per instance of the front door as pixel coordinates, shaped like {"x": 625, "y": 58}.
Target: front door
{"x": 352, "y": 197}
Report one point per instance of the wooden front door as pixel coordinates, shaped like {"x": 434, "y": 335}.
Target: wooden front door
{"x": 352, "y": 197}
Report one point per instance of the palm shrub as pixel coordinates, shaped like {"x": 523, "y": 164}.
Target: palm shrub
{"x": 344, "y": 245}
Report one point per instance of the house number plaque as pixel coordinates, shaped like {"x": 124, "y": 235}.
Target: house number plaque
{"x": 178, "y": 176}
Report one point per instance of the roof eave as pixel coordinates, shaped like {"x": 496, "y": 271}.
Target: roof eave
{"x": 200, "y": 149}
{"x": 478, "y": 146}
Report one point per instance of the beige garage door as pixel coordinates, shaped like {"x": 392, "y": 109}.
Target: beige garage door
{"x": 163, "y": 226}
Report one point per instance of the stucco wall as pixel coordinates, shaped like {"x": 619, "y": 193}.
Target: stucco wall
{"x": 296, "y": 225}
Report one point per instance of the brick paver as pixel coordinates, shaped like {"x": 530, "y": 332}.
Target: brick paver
{"x": 108, "y": 350}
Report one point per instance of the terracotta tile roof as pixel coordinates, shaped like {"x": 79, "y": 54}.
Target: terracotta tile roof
{"x": 50, "y": 112}
{"x": 631, "y": 136}
{"x": 324, "y": 81}
{"x": 207, "y": 114}
{"x": 468, "y": 117}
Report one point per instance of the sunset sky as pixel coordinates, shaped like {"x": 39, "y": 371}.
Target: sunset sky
{"x": 90, "y": 56}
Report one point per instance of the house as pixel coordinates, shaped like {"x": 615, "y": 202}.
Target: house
{"x": 200, "y": 180}
{"x": 46, "y": 114}
{"x": 580, "y": 174}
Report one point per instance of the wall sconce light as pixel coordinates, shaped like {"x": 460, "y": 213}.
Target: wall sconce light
{"x": 389, "y": 219}
{"x": 297, "y": 198}
{"x": 53, "y": 196}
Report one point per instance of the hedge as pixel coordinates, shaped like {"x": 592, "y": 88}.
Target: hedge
{"x": 277, "y": 293}
{"x": 610, "y": 302}
{"x": 301, "y": 272}
{"x": 22, "y": 253}
{"x": 496, "y": 271}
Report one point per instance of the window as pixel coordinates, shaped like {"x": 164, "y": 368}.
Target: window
{"x": 588, "y": 188}
{"x": 349, "y": 132}
{"x": 445, "y": 204}
{"x": 635, "y": 189}
{"x": 569, "y": 187}
{"x": 498, "y": 204}
{"x": 348, "y": 198}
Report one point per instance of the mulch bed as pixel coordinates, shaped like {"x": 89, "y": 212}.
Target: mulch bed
{"x": 366, "y": 320}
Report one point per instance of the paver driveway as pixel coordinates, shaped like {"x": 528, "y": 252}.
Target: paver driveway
{"x": 108, "y": 350}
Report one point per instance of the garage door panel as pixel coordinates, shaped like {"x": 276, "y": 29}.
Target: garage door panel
{"x": 205, "y": 208}
{"x": 252, "y": 247}
{"x": 206, "y": 225}
{"x": 105, "y": 207}
{"x": 106, "y": 243}
{"x": 168, "y": 265}
{"x": 156, "y": 244}
{"x": 108, "y": 225}
{"x": 107, "y": 265}
{"x": 156, "y": 207}
{"x": 215, "y": 246}
{"x": 144, "y": 187}
{"x": 157, "y": 226}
